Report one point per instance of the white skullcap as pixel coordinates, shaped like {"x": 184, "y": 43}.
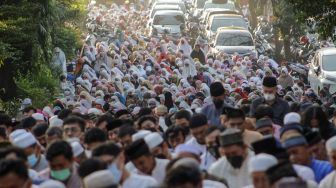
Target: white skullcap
{"x": 16, "y": 133}
{"x": 95, "y": 111}
{"x": 38, "y": 116}
{"x": 331, "y": 144}
{"x": 187, "y": 148}
{"x": 136, "y": 110}
{"x": 99, "y": 179}
{"x": 24, "y": 140}
{"x": 153, "y": 140}
{"x": 140, "y": 134}
{"x": 100, "y": 102}
{"x": 292, "y": 117}
{"x": 55, "y": 122}
{"x": 48, "y": 110}
{"x": 77, "y": 148}
{"x": 304, "y": 172}
{"x": 52, "y": 184}
{"x": 261, "y": 162}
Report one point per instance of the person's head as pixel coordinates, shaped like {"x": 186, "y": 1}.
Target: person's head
{"x": 263, "y": 111}
{"x": 232, "y": 147}
{"x": 53, "y": 134}
{"x": 257, "y": 167}
{"x": 175, "y": 135}
{"x": 28, "y": 123}
{"x": 315, "y": 117}
{"x": 6, "y": 122}
{"x": 211, "y": 140}
{"x": 264, "y": 126}
{"x": 198, "y": 127}
{"x": 331, "y": 150}
{"x": 73, "y": 127}
{"x": 217, "y": 92}
{"x": 297, "y": 148}
{"x": 182, "y": 118}
{"x": 140, "y": 155}
{"x": 125, "y": 135}
{"x": 94, "y": 137}
{"x": 14, "y": 174}
{"x": 235, "y": 119}
{"x": 113, "y": 129}
{"x": 60, "y": 158}
{"x": 103, "y": 121}
{"x": 148, "y": 123}
{"x": 269, "y": 88}
{"x": 39, "y": 131}
{"x": 123, "y": 114}
{"x": 28, "y": 111}
{"x": 89, "y": 166}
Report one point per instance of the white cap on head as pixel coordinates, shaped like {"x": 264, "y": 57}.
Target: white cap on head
{"x": 140, "y": 134}
{"x": 153, "y": 140}
{"x": 186, "y": 148}
{"x": 77, "y": 148}
{"x": 261, "y": 162}
{"x": 52, "y": 184}
{"x": 38, "y": 116}
{"x": 16, "y": 133}
{"x": 331, "y": 144}
{"x": 24, "y": 140}
{"x": 292, "y": 117}
{"x": 95, "y": 111}
{"x": 55, "y": 122}
{"x": 99, "y": 179}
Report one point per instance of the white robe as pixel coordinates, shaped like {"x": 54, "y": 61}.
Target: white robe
{"x": 329, "y": 181}
{"x": 236, "y": 178}
{"x": 139, "y": 181}
{"x": 159, "y": 171}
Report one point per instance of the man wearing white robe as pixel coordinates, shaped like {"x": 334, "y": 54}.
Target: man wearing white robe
{"x": 330, "y": 180}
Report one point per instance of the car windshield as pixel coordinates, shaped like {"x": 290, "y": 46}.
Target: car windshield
{"x": 227, "y": 22}
{"x": 163, "y": 8}
{"x": 224, "y": 6}
{"x": 234, "y": 39}
{"x": 328, "y": 62}
{"x": 168, "y": 20}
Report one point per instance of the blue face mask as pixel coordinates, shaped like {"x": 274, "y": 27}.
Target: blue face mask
{"x": 115, "y": 172}
{"x": 32, "y": 160}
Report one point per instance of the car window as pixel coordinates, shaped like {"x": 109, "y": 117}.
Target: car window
{"x": 168, "y": 20}
{"x": 328, "y": 62}
{"x": 227, "y": 22}
{"x": 234, "y": 39}
{"x": 224, "y": 6}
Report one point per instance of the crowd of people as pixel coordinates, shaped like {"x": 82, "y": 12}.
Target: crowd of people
{"x": 141, "y": 112}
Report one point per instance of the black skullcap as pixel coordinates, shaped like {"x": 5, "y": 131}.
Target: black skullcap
{"x": 216, "y": 89}
{"x": 270, "y": 81}
{"x": 198, "y": 120}
{"x": 313, "y": 137}
{"x": 279, "y": 171}
{"x": 230, "y": 137}
{"x": 270, "y": 145}
{"x": 264, "y": 122}
{"x": 137, "y": 149}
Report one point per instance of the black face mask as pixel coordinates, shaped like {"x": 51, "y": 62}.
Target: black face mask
{"x": 213, "y": 150}
{"x": 218, "y": 103}
{"x": 235, "y": 161}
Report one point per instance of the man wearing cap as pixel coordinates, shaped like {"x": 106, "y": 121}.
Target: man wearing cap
{"x": 233, "y": 164}
{"x": 144, "y": 161}
{"x": 100, "y": 179}
{"x": 157, "y": 146}
{"x": 297, "y": 148}
{"x": 198, "y": 127}
{"x": 214, "y": 110}
{"x": 279, "y": 106}
{"x": 112, "y": 154}
{"x": 330, "y": 180}
{"x": 265, "y": 127}
{"x": 32, "y": 149}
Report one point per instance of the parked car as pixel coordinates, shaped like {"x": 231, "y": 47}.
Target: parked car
{"x": 180, "y": 3}
{"x": 163, "y": 7}
{"x": 231, "y": 40}
{"x": 322, "y": 70}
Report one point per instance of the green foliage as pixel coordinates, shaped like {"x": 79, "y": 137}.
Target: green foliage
{"x": 10, "y": 107}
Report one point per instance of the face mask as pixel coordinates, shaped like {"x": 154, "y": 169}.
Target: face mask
{"x": 218, "y": 103}
{"x": 60, "y": 175}
{"x": 32, "y": 160}
{"x": 115, "y": 172}
{"x": 315, "y": 129}
{"x": 269, "y": 97}
{"x": 235, "y": 161}
{"x": 213, "y": 150}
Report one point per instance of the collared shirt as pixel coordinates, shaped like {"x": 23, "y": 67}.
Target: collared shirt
{"x": 280, "y": 109}
{"x": 321, "y": 169}
{"x": 213, "y": 114}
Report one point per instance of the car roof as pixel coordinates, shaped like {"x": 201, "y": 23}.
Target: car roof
{"x": 168, "y": 1}
{"x": 226, "y": 15}
{"x": 212, "y": 11}
{"x": 169, "y": 12}
{"x": 232, "y": 29}
{"x": 170, "y": 6}
{"x": 327, "y": 51}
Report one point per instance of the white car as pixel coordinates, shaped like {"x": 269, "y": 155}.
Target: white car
{"x": 172, "y": 2}
{"x": 232, "y": 40}
{"x": 163, "y": 7}
{"x": 322, "y": 70}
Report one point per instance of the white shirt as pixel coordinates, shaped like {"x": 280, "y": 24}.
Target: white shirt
{"x": 236, "y": 178}
{"x": 139, "y": 181}
{"x": 193, "y": 142}
{"x": 207, "y": 160}
{"x": 329, "y": 181}
{"x": 159, "y": 171}
{"x": 304, "y": 172}
{"x": 212, "y": 184}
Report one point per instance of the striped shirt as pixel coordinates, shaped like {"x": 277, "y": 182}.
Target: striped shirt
{"x": 321, "y": 169}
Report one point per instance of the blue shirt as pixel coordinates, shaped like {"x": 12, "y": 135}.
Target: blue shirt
{"x": 321, "y": 169}
{"x": 213, "y": 114}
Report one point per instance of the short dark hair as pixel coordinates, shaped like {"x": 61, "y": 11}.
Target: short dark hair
{"x": 126, "y": 130}
{"x": 64, "y": 114}
{"x": 214, "y": 128}
{"x": 3, "y": 132}
{"x": 89, "y": 166}
{"x": 28, "y": 123}
{"x": 5, "y": 120}
{"x": 174, "y": 130}
{"x": 183, "y": 114}
{"x": 58, "y": 131}
{"x": 40, "y": 129}
{"x": 198, "y": 120}
{"x": 120, "y": 113}
{"x": 262, "y": 111}
{"x": 58, "y": 148}
{"x": 19, "y": 153}
{"x": 75, "y": 120}
{"x": 29, "y": 108}
{"x": 144, "y": 112}
{"x": 146, "y": 118}
{"x": 137, "y": 149}
{"x": 18, "y": 167}
{"x": 94, "y": 135}
{"x": 183, "y": 174}
{"x": 235, "y": 113}
{"x": 105, "y": 117}
{"x": 106, "y": 149}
